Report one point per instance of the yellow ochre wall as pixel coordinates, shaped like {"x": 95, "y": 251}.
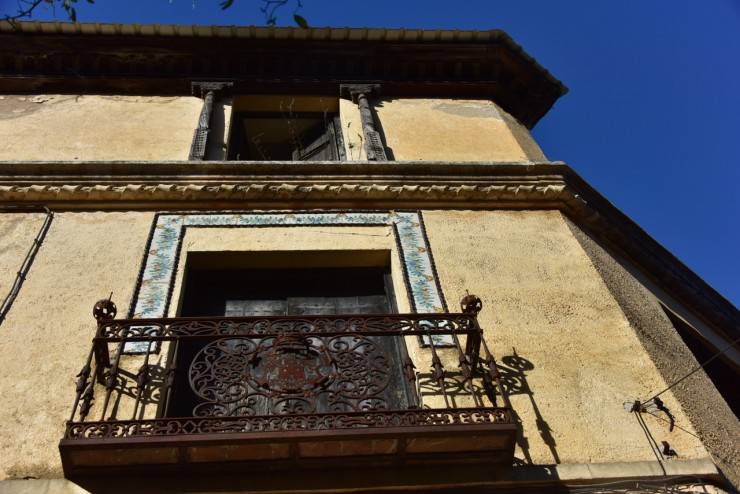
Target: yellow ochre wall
{"x": 454, "y": 130}
{"x": 97, "y": 128}
{"x": 549, "y": 318}
{"x": 130, "y": 128}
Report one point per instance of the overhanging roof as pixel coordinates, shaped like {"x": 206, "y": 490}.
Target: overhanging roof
{"x": 157, "y": 59}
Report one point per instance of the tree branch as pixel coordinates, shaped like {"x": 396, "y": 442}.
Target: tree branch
{"x": 269, "y": 8}
{"x": 23, "y": 12}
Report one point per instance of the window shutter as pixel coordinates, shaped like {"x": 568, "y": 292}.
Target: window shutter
{"x": 239, "y": 308}
{"x": 328, "y": 146}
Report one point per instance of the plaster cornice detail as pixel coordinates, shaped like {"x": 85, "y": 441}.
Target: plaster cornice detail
{"x": 287, "y": 191}
{"x": 335, "y": 185}
{"x": 123, "y": 185}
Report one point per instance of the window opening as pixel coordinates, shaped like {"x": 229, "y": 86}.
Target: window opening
{"x": 291, "y": 373}
{"x": 284, "y": 128}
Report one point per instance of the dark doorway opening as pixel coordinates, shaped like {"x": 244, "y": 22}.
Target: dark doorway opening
{"x": 257, "y": 386}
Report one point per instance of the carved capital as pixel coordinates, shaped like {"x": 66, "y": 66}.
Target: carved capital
{"x": 202, "y": 88}
{"x": 353, "y": 91}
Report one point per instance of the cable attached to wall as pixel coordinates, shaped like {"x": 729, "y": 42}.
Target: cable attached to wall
{"x": 26, "y": 266}
{"x": 639, "y": 404}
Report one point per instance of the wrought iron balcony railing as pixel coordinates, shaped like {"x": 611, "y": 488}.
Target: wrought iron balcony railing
{"x": 298, "y": 391}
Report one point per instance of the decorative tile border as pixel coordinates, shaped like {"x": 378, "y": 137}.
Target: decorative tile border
{"x": 156, "y": 279}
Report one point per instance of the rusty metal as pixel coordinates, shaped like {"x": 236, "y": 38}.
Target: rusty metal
{"x": 105, "y": 310}
{"x": 320, "y": 422}
{"x": 280, "y": 377}
{"x": 291, "y": 374}
{"x": 142, "y": 379}
{"x": 466, "y": 371}
{"x": 408, "y": 367}
{"x": 167, "y": 329}
{"x": 111, "y": 379}
{"x": 82, "y": 382}
{"x": 86, "y": 402}
{"x": 471, "y": 304}
{"x": 439, "y": 373}
{"x": 494, "y": 376}
{"x": 170, "y": 374}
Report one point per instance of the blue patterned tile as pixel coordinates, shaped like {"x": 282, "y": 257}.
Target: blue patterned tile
{"x": 152, "y": 299}
{"x": 210, "y": 220}
{"x": 159, "y": 271}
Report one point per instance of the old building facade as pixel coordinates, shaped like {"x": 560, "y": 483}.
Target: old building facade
{"x": 234, "y": 260}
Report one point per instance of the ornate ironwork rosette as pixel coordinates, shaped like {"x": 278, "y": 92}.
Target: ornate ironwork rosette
{"x": 290, "y": 373}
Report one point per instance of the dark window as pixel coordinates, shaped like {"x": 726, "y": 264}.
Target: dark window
{"x": 268, "y": 375}
{"x": 325, "y": 144}
{"x": 284, "y": 128}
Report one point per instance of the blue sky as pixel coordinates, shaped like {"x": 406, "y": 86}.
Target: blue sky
{"x": 651, "y": 120}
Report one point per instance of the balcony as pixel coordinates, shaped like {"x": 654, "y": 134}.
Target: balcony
{"x": 232, "y": 394}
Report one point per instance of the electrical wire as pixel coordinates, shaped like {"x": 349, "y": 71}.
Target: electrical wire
{"x": 696, "y": 369}
{"x": 26, "y": 266}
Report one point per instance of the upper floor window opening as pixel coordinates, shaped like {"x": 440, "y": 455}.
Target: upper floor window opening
{"x": 285, "y": 128}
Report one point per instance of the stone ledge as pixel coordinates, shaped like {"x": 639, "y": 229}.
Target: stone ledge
{"x": 584, "y": 473}
{"x": 542, "y": 478}
{"x": 285, "y": 191}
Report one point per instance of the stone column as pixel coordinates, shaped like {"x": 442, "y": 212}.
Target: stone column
{"x": 359, "y": 94}
{"x": 209, "y": 91}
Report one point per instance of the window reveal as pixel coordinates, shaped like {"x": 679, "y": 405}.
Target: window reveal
{"x": 292, "y": 372}
{"x": 285, "y": 128}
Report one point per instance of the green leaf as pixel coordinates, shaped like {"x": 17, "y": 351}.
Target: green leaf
{"x": 73, "y": 15}
{"x": 226, "y": 4}
{"x": 90, "y": 1}
{"x": 300, "y": 21}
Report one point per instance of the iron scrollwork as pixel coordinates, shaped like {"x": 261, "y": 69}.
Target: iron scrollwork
{"x": 278, "y": 373}
{"x": 290, "y": 374}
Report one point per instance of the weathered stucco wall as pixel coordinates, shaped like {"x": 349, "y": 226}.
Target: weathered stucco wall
{"x": 461, "y": 130}
{"x": 100, "y": 128}
{"x": 85, "y": 256}
{"x": 75, "y": 127}
{"x": 354, "y": 144}
{"x": 17, "y": 234}
{"x": 220, "y": 126}
{"x": 714, "y": 421}
{"x": 568, "y": 353}
{"x": 47, "y": 333}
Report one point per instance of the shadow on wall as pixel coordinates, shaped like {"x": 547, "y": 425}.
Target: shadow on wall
{"x": 379, "y": 129}
{"x": 513, "y": 370}
{"x": 215, "y": 145}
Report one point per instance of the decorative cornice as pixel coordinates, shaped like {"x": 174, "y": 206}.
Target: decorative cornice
{"x": 260, "y": 191}
{"x": 123, "y": 185}
{"x": 164, "y": 60}
{"x": 353, "y": 91}
{"x": 388, "y": 185}
{"x": 200, "y": 89}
